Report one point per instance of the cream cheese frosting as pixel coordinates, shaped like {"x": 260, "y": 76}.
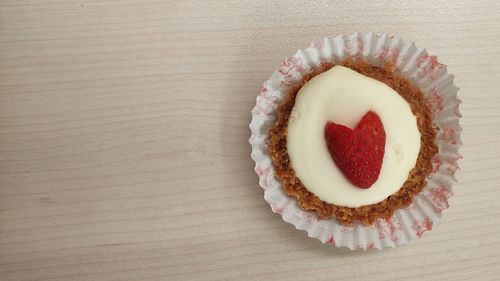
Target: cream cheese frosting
{"x": 343, "y": 96}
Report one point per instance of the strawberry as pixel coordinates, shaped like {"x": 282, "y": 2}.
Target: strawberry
{"x": 358, "y": 153}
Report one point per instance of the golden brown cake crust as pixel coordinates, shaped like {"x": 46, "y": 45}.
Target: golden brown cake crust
{"x": 369, "y": 213}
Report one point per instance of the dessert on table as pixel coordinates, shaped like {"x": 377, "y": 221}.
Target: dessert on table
{"x": 355, "y": 140}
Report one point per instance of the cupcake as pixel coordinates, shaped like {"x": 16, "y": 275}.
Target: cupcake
{"x": 356, "y": 140}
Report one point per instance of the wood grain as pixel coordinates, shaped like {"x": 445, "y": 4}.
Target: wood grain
{"x": 123, "y": 140}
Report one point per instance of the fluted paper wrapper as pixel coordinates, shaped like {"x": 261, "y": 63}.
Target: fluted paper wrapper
{"x": 438, "y": 88}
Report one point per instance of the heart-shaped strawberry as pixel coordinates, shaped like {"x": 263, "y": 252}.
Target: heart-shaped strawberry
{"x": 358, "y": 153}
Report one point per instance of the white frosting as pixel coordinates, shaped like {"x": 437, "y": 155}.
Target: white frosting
{"x": 343, "y": 96}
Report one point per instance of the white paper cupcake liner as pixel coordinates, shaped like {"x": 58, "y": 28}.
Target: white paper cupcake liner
{"x": 437, "y": 86}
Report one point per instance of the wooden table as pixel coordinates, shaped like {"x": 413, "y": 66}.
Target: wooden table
{"x": 123, "y": 139}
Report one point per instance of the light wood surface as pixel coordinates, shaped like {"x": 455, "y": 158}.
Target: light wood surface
{"x": 123, "y": 140}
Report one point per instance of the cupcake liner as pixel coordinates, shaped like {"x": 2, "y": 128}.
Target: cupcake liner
{"x": 437, "y": 86}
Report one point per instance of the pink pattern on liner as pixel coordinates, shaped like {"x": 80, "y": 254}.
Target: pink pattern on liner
{"x": 388, "y": 54}
{"x": 448, "y": 135}
{"x": 276, "y": 209}
{"x": 421, "y": 226}
{"x": 453, "y": 165}
{"x": 439, "y": 196}
{"x": 354, "y": 47}
{"x": 264, "y": 91}
{"x": 264, "y": 173}
{"x": 428, "y": 66}
{"x": 265, "y": 106}
{"x": 267, "y": 141}
{"x": 435, "y": 102}
{"x": 330, "y": 240}
{"x": 290, "y": 70}
{"x": 436, "y": 165}
{"x": 310, "y": 217}
{"x": 389, "y": 228}
{"x": 368, "y": 246}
